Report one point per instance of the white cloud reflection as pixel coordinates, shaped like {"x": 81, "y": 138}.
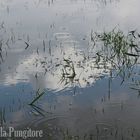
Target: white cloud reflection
{"x": 44, "y": 70}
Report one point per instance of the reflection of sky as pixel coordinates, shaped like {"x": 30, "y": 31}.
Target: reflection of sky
{"x": 71, "y": 108}
{"x": 88, "y": 14}
{"x": 75, "y": 19}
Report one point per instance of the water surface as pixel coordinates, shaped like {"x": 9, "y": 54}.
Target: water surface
{"x": 37, "y": 37}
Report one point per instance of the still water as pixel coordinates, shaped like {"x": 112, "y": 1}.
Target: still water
{"x": 40, "y": 40}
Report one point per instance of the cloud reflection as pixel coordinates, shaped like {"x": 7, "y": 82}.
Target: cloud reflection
{"x": 44, "y": 70}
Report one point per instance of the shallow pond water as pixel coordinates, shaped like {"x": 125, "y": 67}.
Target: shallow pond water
{"x": 40, "y": 42}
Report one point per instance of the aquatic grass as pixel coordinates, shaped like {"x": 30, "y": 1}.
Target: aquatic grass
{"x": 103, "y": 131}
{"x": 27, "y": 45}
{"x": 118, "y": 45}
{"x": 1, "y": 44}
{"x": 68, "y": 72}
{"x": 38, "y": 96}
{"x": 44, "y": 46}
{"x": 37, "y": 110}
{"x": 2, "y": 116}
{"x": 119, "y": 49}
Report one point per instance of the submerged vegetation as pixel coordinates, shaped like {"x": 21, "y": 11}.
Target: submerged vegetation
{"x": 122, "y": 51}
{"x": 114, "y": 51}
{"x": 58, "y": 76}
{"x": 118, "y": 48}
{"x": 68, "y": 72}
{"x": 38, "y": 96}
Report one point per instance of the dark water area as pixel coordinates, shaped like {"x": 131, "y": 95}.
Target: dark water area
{"x": 58, "y": 74}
